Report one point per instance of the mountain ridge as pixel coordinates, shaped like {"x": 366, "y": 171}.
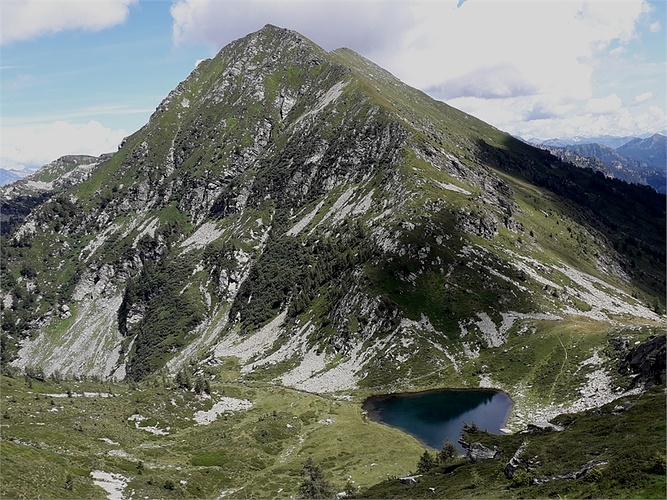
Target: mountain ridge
{"x": 309, "y": 212}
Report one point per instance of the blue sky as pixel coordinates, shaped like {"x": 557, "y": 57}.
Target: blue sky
{"x": 77, "y": 76}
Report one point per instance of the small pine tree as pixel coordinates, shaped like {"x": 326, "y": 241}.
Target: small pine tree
{"x": 426, "y": 463}
{"x": 69, "y": 482}
{"x": 448, "y": 452}
{"x": 470, "y": 429}
{"x": 314, "y": 485}
{"x": 183, "y": 379}
{"x": 200, "y": 384}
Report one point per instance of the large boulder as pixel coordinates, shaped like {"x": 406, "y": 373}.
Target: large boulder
{"x": 543, "y": 426}
{"x": 410, "y": 480}
{"x": 477, "y": 451}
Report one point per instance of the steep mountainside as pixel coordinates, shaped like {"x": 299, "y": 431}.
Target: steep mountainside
{"x": 309, "y": 214}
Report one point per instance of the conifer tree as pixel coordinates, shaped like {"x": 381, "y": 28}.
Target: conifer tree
{"x": 426, "y": 463}
{"x": 448, "y": 452}
{"x": 314, "y": 485}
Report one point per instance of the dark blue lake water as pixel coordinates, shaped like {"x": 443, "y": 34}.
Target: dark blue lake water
{"x": 434, "y": 416}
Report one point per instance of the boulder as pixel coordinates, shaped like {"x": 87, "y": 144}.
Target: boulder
{"x": 544, "y": 426}
{"x": 477, "y": 452}
{"x": 578, "y": 474}
{"x": 514, "y": 462}
{"x": 647, "y": 362}
{"x": 409, "y": 480}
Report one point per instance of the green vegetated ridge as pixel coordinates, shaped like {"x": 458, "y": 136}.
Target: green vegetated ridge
{"x": 339, "y": 233}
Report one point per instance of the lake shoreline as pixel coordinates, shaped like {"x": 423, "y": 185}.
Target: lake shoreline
{"x": 385, "y": 409}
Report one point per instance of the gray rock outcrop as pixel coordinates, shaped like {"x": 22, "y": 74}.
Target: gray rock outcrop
{"x": 477, "y": 452}
{"x": 514, "y": 462}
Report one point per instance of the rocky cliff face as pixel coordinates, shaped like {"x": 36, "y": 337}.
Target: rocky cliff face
{"x": 330, "y": 227}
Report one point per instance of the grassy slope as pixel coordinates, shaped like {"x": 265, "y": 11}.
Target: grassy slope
{"x": 259, "y": 452}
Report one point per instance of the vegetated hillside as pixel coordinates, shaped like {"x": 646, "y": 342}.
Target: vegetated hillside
{"x": 640, "y": 161}
{"x": 615, "y": 451}
{"x": 214, "y": 431}
{"x": 333, "y": 229}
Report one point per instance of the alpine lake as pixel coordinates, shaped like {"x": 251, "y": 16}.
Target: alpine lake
{"x": 437, "y": 415}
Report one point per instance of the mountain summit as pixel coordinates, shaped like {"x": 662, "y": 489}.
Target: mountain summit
{"x": 330, "y": 227}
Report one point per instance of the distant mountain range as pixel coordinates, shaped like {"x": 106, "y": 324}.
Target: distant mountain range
{"x": 611, "y": 141}
{"x": 8, "y": 176}
{"x": 635, "y": 160}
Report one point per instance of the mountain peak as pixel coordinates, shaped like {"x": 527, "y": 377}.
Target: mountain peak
{"x": 283, "y": 184}
{"x": 271, "y": 37}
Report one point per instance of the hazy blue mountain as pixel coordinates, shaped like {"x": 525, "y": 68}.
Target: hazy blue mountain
{"x": 609, "y": 141}
{"x": 8, "y": 176}
{"x": 639, "y": 161}
{"x": 651, "y": 151}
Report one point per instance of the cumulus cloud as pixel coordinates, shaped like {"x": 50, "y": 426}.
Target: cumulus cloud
{"x": 31, "y": 146}
{"x": 27, "y": 19}
{"x": 364, "y": 26}
{"x": 488, "y": 83}
{"x": 528, "y": 117}
{"x": 604, "y": 105}
{"x": 543, "y": 110}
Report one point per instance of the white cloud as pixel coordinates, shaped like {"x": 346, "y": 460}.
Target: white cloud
{"x": 643, "y": 97}
{"x": 486, "y": 82}
{"x": 604, "y": 105}
{"x": 28, "y": 19}
{"x": 31, "y": 146}
{"x": 362, "y": 25}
